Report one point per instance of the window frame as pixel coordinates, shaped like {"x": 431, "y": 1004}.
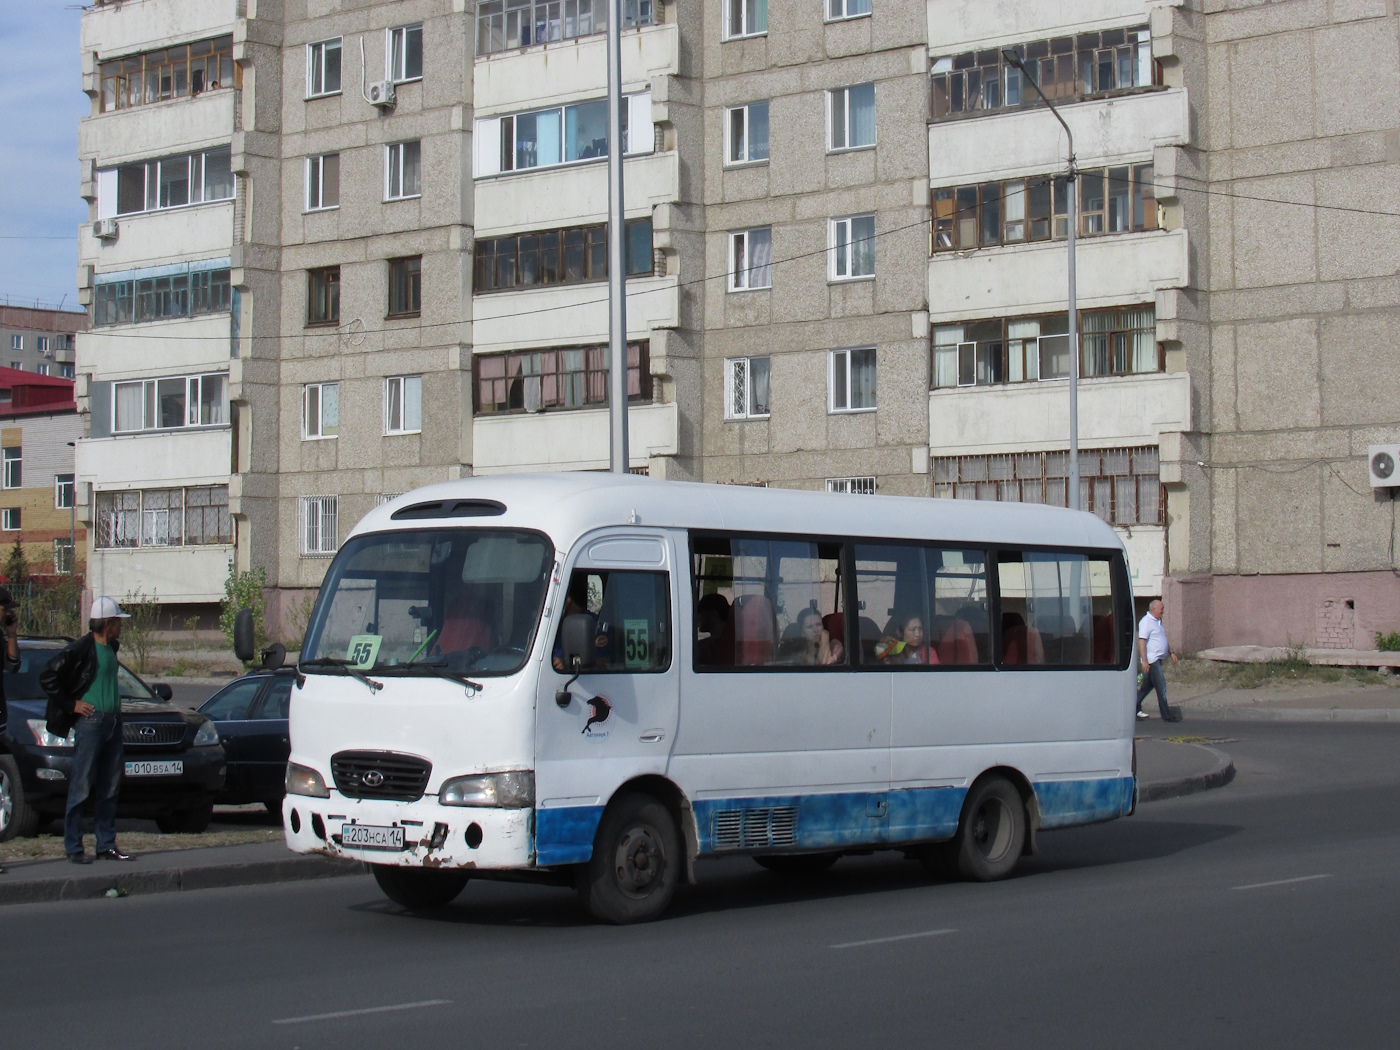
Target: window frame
{"x": 395, "y": 164}
{"x": 13, "y": 477}
{"x": 16, "y": 341}
{"x": 398, "y": 394}
{"x": 735, "y": 271}
{"x": 327, "y": 513}
{"x": 490, "y": 255}
{"x": 393, "y": 60}
{"x": 590, "y": 380}
{"x": 845, "y": 94}
{"x": 312, "y": 56}
{"x": 124, "y": 82}
{"x": 847, "y": 354}
{"x": 327, "y": 294}
{"x": 853, "y": 486}
{"x": 493, "y": 25}
{"x": 320, "y": 398}
{"x": 130, "y": 300}
{"x": 412, "y": 282}
{"x": 846, "y": 15}
{"x": 747, "y": 161}
{"x": 731, "y": 388}
{"x": 59, "y": 487}
{"x": 317, "y": 162}
{"x": 742, "y": 8}
{"x": 836, "y": 249}
{"x": 151, "y": 409}
{"x": 581, "y": 566}
{"x": 11, "y": 519}
{"x": 154, "y": 181}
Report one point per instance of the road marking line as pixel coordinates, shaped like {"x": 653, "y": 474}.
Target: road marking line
{"x": 360, "y": 1013}
{"x": 887, "y": 940}
{"x": 1280, "y": 882}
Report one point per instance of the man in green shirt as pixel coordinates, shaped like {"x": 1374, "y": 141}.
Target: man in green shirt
{"x": 83, "y": 678}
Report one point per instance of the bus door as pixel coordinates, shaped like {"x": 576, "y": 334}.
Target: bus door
{"x": 618, "y": 720}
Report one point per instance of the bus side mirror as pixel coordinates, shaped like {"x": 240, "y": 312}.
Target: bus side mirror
{"x": 580, "y": 651}
{"x": 243, "y": 635}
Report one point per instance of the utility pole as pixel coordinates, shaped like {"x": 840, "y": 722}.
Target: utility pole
{"x": 619, "y": 459}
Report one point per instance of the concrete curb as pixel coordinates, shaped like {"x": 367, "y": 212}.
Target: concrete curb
{"x": 167, "y": 880}
{"x": 1296, "y": 714}
{"x": 1218, "y": 776}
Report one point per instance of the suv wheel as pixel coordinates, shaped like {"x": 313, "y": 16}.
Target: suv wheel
{"x": 17, "y": 818}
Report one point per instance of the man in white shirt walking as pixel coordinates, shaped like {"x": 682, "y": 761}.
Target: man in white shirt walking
{"x": 1152, "y": 651}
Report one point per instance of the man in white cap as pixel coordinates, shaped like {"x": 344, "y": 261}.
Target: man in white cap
{"x": 81, "y": 684}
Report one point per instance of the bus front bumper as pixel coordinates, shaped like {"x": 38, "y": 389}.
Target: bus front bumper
{"x": 421, "y": 834}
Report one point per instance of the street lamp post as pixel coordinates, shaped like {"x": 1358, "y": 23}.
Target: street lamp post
{"x": 617, "y": 258}
{"x": 1013, "y": 59}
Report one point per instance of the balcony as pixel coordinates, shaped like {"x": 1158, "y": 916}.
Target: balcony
{"x": 571, "y": 315}
{"x": 575, "y": 439}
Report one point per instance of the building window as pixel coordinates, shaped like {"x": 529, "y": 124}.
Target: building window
{"x": 839, "y": 9}
{"x": 65, "y": 342}
{"x": 14, "y": 467}
{"x": 551, "y": 257}
{"x": 323, "y": 296}
{"x": 568, "y": 377}
{"x": 42, "y": 368}
{"x": 852, "y": 117}
{"x": 746, "y": 134}
{"x": 320, "y": 411}
{"x": 323, "y": 68}
{"x": 41, "y": 344}
{"x": 323, "y": 181}
{"x": 402, "y": 170}
{"x": 317, "y": 525}
{"x": 206, "y": 516}
{"x": 745, "y": 18}
{"x": 171, "y": 403}
{"x": 1066, "y": 67}
{"x": 852, "y": 242}
{"x": 62, "y": 557}
{"x": 503, "y": 25}
{"x": 746, "y": 388}
{"x": 852, "y": 380}
{"x": 163, "y": 517}
{"x": 187, "y": 294}
{"x": 17, "y": 365}
{"x": 852, "y": 486}
{"x": 161, "y": 514}
{"x": 62, "y": 491}
{"x": 1025, "y": 349}
{"x": 65, "y": 371}
{"x": 16, "y": 342}
{"x": 1121, "y": 485}
{"x": 751, "y": 259}
{"x": 9, "y": 519}
{"x": 406, "y": 53}
{"x": 403, "y": 404}
{"x": 560, "y": 135}
{"x": 1112, "y": 200}
{"x": 406, "y": 286}
{"x": 172, "y": 72}
{"x": 170, "y": 182}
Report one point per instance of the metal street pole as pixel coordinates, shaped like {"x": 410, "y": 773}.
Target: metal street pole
{"x": 1013, "y": 58}
{"x": 617, "y": 257}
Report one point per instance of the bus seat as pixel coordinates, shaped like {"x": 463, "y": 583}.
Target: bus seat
{"x": 869, "y": 635}
{"x": 958, "y": 645}
{"x": 1103, "y": 639}
{"x": 755, "y": 628}
{"x": 462, "y": 628}
{"x": 835, "y": 624}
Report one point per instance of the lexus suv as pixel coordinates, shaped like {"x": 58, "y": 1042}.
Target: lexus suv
{"x": 174, "y": 761}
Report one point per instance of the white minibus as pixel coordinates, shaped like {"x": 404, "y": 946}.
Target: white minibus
{"x": 595, "y": 679}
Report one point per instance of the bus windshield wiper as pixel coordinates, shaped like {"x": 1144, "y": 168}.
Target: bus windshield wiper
{"x": 340, "y": 665}
{"x": 436, "y": 668}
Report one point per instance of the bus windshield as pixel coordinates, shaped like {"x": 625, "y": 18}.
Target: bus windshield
{"x": 460, "y": 600}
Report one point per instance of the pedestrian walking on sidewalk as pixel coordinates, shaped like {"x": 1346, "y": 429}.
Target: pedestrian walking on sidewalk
{"x": 1153, "y": 650}
{"x": 81, "y": 684}
{"x": 9, "y": 658}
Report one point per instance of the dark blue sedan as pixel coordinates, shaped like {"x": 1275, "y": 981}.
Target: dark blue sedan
{"x": 250, "y": 714}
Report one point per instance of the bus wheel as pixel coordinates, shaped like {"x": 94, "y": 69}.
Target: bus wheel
{"x": 799, "y": 865}
{"x": 635, "y": 864}
{"x": 992, "y": 833}
{"x": 419, "y": 889}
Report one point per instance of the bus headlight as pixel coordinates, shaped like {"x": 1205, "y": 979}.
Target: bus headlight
{"x": 303, "y": 780}
{"x": 511, "y": 790}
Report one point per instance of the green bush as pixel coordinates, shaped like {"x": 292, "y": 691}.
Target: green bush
{"x": 51, "y": 607}
{"x": 1388, "y": 643}
{"x": 144, "y": 613}
{"x": 245, "y": 590}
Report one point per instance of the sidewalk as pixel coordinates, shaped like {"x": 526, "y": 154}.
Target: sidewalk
{"x": 1304, "y": 702}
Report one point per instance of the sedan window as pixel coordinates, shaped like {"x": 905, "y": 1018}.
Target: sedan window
{"x": 277, "y": 699}
{"x": 232, "y": 704}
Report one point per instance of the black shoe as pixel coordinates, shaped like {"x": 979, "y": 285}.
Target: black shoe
{"x": 114, "y": 854}
{"x": 1172, "y": 718}
{"x": 79, "y": 858}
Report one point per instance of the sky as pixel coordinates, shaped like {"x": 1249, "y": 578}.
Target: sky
{"x": 41, "y": 102}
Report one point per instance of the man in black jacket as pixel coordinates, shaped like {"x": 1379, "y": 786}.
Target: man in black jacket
{"x": 81, "y": 684}
{"x": 9, "y": 653}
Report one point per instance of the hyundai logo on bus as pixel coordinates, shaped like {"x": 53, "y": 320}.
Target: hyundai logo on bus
{"x": 372, "y": 779}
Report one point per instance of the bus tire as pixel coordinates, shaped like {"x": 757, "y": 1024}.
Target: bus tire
{"x": 992, "y": 831}
{"x": 419, "y": 889}
{"x": 636, "y": 862}
{"x": 798, "y": 865}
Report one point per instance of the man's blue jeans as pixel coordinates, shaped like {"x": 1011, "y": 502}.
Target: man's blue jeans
{"x": 97, "y": 774}
{"x": 1154, "y": 678}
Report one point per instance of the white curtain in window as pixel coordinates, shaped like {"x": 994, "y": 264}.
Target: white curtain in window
{"x": 862, "y": 103}
{"x": 130, "y": 404}
{"x": 945, "y": 355}
{"x": 760, "y": 259}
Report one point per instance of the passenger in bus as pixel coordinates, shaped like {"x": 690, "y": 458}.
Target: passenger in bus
{"x": 908, "y": 647}
{"x": 812, "y": 644}
{"x": 575, "y": 602}
{"x": 715, "y": 646}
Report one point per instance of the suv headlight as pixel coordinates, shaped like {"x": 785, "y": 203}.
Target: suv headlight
{"x": 207, "y": 735}
{"x": 511, "y": 790}
{"x": 44, "y": 738}
{"x": 303, "y": 780}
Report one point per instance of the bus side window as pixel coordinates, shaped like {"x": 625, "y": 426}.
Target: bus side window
{"x": 631, "y": 612}
{"x": 1056, "y": 608}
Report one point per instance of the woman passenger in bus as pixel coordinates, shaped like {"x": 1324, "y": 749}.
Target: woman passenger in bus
{"x": 813, "y": 645}
{"x": 909, "y": 647}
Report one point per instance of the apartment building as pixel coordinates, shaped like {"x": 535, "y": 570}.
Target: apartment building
{"x": 40, "y": 339}
{"x": 39, "y": 426}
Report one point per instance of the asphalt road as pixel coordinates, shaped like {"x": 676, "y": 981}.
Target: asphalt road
{"x": 1265, "y": 913}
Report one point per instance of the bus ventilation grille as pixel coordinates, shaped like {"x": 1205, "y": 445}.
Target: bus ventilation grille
{"x": 755, "y": 828}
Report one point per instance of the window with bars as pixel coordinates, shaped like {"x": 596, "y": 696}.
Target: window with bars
{"x": 62, "y": 556}
{"x": 503, "y": 25}
{"x": 746, "y": 394}
{"x": 576, "y": 255}
{"x": 567, "y": 377}
{"x": 1067, "y": 67}
{"x": 1111, "y": 200}
{"x": 1026, "y": 349}
{"x": 317, "y": 525}
{"x": 853, "y": 486}
{"x": 1121, "y": 485}
{"x": 162, "y": 517}
{"x": 172, "y": 72}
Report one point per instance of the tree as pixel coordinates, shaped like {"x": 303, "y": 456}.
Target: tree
{"x": 17, "y": 569}
{"x": 245, "y": 590}
{"x": 144, "y": 614}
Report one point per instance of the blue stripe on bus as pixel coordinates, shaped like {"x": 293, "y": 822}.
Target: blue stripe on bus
{"x": 842, "y": 819}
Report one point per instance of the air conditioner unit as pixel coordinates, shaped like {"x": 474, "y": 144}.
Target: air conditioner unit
{"x": 105, "y": 229}
{"x": 381, "y": 93}
{"x": 1383, "y": 462}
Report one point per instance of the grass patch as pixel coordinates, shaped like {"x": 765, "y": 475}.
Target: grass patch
{"x": 1296, "y": 670}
